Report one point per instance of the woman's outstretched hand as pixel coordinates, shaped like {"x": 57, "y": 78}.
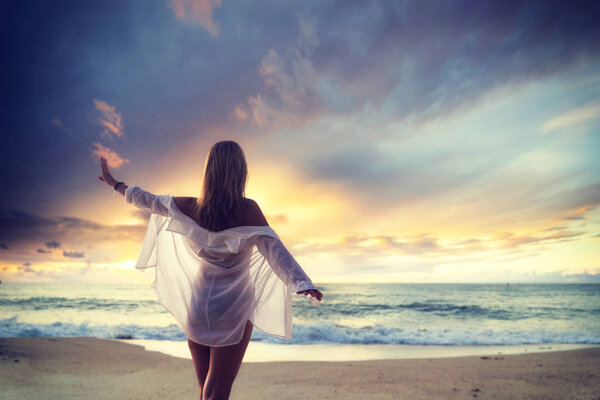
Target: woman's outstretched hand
{"x": 106, "y": 175}
{"x": 313, "y": 292}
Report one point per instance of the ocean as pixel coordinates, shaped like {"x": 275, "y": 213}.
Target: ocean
{"x": 350, "y": 314}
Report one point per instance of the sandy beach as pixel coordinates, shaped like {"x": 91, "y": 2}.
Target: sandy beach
{"x": 88, "y": 368}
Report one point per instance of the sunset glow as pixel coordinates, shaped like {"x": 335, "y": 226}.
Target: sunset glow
{"x": 384, "y": 143}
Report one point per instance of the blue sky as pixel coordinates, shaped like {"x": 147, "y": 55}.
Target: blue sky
{"x": 408, "y": 141}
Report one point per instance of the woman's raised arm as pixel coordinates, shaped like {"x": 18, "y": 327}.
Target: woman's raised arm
{"x": 141, "y": 198}
{"x": 108, "y": 178}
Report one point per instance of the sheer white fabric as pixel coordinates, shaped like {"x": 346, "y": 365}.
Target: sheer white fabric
{"x": 213, "y": 282}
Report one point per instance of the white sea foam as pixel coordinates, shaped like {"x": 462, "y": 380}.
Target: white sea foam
{"x": 319, "y": 332}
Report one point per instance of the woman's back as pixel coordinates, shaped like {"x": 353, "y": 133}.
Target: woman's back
{"x": 249, "y": 213}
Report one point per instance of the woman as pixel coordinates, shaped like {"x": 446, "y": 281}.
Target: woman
{"x": 208, "y": 274}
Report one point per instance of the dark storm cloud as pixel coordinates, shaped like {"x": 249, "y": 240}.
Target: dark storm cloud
{"x": 21, "y": 228}
{"x": 420, "y": 58}
{"x": 53, "y": 244}
{"x": 428, "y": 57}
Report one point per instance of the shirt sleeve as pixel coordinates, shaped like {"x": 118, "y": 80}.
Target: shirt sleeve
{"x": 283, "y": 263}
{"x": 156, "y": 204}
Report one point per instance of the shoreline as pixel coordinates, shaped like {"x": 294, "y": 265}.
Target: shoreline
{"x": 90, "y": 368}
{"x": 259, "y": 352}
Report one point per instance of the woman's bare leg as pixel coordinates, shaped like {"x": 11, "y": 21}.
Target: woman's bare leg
{"x": 224, "y": 365}
{"x": 201, "y": 358}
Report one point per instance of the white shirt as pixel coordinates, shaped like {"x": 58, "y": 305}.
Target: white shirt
{"x": 213, "y": 282}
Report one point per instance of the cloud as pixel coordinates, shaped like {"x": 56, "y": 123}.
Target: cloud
{"x": 73, "y": 254}
{"x": 58, "y": 123}
{"x": 53, "y": 244}
{"x": 142, "y": 215}
{"x": 113, "y": 124}
{"x": 26, "y": 268}
{"x": 110, "y": 120}
{"x": 414, "y": 59}
{"x": 579, "y": 213}
{"x": 3, "y": 246}
{"x": 510, "y": 240}
{"x": 411, "y": 60}
{"x": 239, "y": 113}
{"x": 113, "y": 158}
{"x": 290, "y": 95}
{"x": 78, "y": 270}
{"x": 198, "y": 11}
{"x": 573, "y": 119}
{"x": 560, "y": 276}
{"x": 428, "y": 245}
{"x": 555, "y": 228}
{"x": 43, "y": 251}
{"x": 21, "y": 228}
{"x": 277, "y": 219}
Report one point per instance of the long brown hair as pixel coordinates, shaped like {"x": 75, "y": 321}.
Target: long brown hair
{"x": 224, "y": 186}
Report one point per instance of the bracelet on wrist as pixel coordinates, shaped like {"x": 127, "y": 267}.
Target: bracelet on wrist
{"x": 117, "y": 184}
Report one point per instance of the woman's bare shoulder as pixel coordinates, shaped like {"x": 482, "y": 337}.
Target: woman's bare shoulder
{"x": 254, "y": 215}
{"x": 184, "y": 202}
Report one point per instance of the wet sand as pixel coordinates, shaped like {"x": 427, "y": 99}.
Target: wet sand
{"x": 88, "y": 368}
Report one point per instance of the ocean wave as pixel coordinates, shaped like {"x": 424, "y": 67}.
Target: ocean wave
{"x": 438, "y": 309}
{"x": 320, "y": 332}
{"x": 10, "y": 327}
{"x": 49, "y": 303}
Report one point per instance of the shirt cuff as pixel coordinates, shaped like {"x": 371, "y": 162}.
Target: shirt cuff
{"x": 303, "y": 285}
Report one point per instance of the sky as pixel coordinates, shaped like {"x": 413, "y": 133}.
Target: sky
{"x": 386, "y": 141}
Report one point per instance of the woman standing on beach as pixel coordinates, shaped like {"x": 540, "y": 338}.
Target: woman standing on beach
{"x": 220, "y": 268}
